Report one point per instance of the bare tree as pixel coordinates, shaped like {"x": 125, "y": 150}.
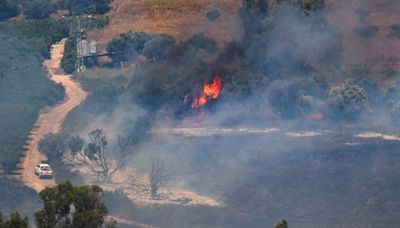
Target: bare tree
{"x": 156, "y": 177}
{"x": 96, "y": 156}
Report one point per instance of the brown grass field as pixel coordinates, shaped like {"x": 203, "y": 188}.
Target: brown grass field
{"x": 180, "y": 18}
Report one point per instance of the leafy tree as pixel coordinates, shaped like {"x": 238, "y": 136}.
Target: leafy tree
{"x": 69, "y": 206}
{"x": 347, "y": 100}
{"x": 282, "y": 224}
{"x": 16, "y": 221}
{"x": 8, "y": 9}
{"x": 130, "y": 43}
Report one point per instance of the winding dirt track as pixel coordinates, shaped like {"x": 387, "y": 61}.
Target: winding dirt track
{"x": 50, "y": 119}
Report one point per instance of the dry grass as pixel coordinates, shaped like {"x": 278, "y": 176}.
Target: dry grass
{"x": 371, "y": 51}
{"x": 180, "y": 18}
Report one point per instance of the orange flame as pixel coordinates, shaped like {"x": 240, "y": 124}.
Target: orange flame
{"x": 211, "y": 91}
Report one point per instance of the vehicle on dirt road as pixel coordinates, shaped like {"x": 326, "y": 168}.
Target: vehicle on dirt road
{"x": 44, "y": 171}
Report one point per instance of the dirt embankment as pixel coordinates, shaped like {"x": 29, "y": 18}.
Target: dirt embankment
{"x": 50, "y": 119}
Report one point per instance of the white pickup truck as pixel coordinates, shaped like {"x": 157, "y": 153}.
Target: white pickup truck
{"x": 44, "y": 171}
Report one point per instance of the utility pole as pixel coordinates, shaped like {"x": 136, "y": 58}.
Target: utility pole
{"x": 80, "y": 63}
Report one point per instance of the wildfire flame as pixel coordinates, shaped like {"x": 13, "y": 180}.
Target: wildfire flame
{"x": 211, "y": 91}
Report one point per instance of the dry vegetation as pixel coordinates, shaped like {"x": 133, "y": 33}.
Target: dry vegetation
{"x": 376, "y": 50}
{"x": 180, "y": 18}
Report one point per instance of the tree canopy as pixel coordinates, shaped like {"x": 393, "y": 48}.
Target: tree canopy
{"x": 68, "y": 206}
{"x": 15, "y": 221}
{"x": 347, "y": 100}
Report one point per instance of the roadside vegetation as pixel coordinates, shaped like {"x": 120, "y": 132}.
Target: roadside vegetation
{"x": 24, "y": 85}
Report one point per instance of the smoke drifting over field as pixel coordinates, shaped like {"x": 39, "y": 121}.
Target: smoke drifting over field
{"x": 280, "y": 139}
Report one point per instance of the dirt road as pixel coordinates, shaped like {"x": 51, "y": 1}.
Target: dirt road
{"x": 50, "y": 119}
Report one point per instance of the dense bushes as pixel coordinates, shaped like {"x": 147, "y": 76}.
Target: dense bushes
{"x": 160, "y": 46}
{"x": 24, "y": 85}
{"x": 131, "y": 43}
{"x": 38, "y": 9}
{"x": 70, "y": 54}
{"x": 77, "y": 7}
